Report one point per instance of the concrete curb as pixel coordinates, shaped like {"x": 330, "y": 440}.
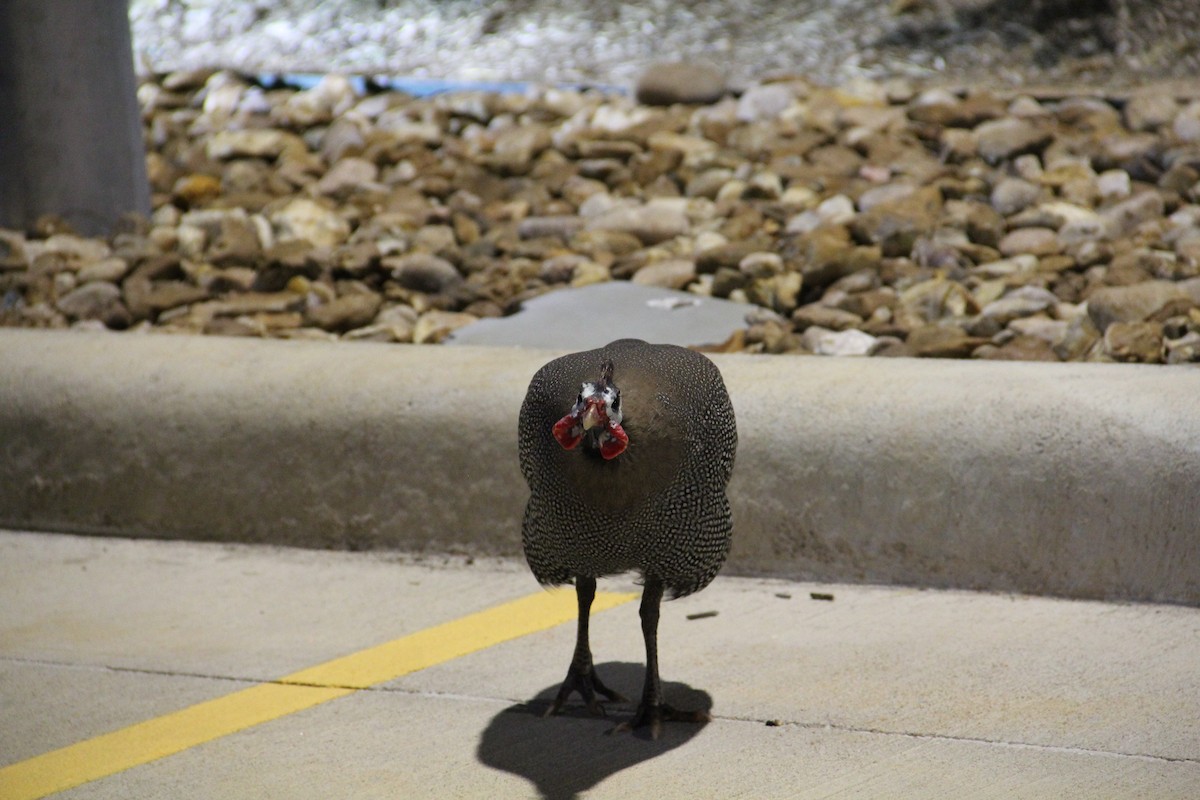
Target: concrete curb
{"x": 1079, "y": 480}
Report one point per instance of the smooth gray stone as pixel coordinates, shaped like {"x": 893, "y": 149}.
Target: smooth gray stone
{"x": 592, "y": 316}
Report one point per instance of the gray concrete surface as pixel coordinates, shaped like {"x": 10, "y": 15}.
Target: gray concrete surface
{"x": 881, "y": 692}
{"x": 1076, "y": 480}
{"x": 630, "y": 311}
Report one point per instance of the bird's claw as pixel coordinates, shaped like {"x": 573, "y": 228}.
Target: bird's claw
{"x": 652, "y": 716}
{"x": 585, "y": 681}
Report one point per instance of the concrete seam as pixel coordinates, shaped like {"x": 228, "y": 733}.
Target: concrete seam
{"x": 1049, "y": 748}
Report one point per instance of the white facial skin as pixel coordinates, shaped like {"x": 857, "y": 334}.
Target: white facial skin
{"x": 611, "y": 404}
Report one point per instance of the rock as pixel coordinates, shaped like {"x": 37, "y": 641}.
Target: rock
{"x": 1184, "y": 350}
{"x": 187, "y": 79}
{"x": 1004, "y": 138}
{"x": 942, "y": 341}
{"x": 515, "y": 148}
{"x": 1023, "y": 302}
{"x": 941, "y": 107}
{"x": 434, "y": 326}
{"x": 880, "y": 195}
{"x": 1187, "y": 247}
{"x": 310, "y": 221}
{"x": 253, "y": 143}
{"x": 983, "y": 224}
{"x": 694, "y": 149}
{"x": 822, "y": 316}
{"x": 562, "y": 226}
{"x": 343, "y": 138}
{"x": 761, "y": 264}
{"x": 1112, "y": 304}
{"x": 1081, "y": 335}
{"x": 286, "y": 260}
{"x": 1051, "y": 331}
{"x": 1149, "y": 110}
{"x": 195, "y": 190}
{"x": 825, "y": 342}
{"x": 725, "y": 281}
{"x": 1186, "y": 126}
{"x": 1019, "y": 348}
{"x": 76, "y": 250}
{"x": 251, "y": 303}
{"x": 765, "y": 102}
{"x": 729, "y": 256}
{"x": 1033, "y": 241}
{"x": 379, "y": 333}
{"x": 1078, "y": 231}
{"x": 1134, "y": 341}
{"x": 236, "y": 242}
{"x": 691, "y": 83}
{"x": 651, "y": 223}
{"x": 106, "y": 269}
{"x": 12, "y": 251}
{"x": 777, "y": 292}
{"x": 936, "y": 299}
{"x": 397, "y": 316}
{"x": 827, "y": 254}
{"x": 1121, "y": 219}
{"x": 560, "y": 269}
{"x": 332, "y": 96}
{"x": 675, "y": 273}
{"x": 1011, "y": 195}
{"x": 587, "y": 272}
{"x": 708, "y": 183}
{"x": 345, "y": 312}
{"x": 406, "y": 130}
{"x": 896, "y": 225}
{"x": 228, "y": 279}
{"x": 146, "y": 298}
{"x": 836, "y": 210}
{"x": 98, "y": 300}
{"x": 348, "y": 175}
{"x": 602, "y": 244}
{"x": 1114, "y": 184}
{"x": 423, "y": 272}
{"x": 1180, "y": 177}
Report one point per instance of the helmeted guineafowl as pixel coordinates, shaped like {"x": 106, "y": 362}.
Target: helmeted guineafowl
{"x": 627, "y": 450}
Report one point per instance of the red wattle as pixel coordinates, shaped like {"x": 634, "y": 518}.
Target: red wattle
{"x": 568, "y": 431}
{"x": 613, "y": 442}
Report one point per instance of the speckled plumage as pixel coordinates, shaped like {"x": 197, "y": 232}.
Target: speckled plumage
{"x": 660, "y": 507}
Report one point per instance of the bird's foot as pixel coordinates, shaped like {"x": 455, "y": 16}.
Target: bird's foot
{"x": 585, "y": 681}
{"x": 652, "y": 716}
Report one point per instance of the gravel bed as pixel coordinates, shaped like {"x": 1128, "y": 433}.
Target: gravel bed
{"x": 871, "y": 218}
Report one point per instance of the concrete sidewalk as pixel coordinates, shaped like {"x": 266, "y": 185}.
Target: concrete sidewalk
{"x": 898, "y": 693}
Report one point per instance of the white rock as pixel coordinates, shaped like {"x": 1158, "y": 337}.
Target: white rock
{"x": 306, "y": 219}
{"x": 1114, "y": 184}
{"x": 825, "y": 342}
{"x": 765, "y": 101}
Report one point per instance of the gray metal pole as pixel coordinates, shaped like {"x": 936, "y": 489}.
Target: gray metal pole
{"x": 70, "y": 132}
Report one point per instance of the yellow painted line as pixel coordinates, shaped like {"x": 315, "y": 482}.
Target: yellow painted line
{"x": 172, "y": 733}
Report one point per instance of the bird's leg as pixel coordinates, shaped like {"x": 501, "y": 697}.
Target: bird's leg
{"x": 652, "y": 711}
{"x": 581, "y": 676}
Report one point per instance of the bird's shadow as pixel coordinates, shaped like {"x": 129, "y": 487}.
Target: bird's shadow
{"x": 573, "y": 751}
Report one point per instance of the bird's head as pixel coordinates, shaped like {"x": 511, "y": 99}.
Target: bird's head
{"x": 596, "y": 414}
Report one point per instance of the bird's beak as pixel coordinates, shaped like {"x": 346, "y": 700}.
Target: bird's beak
{"x": 593, "y": 417}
